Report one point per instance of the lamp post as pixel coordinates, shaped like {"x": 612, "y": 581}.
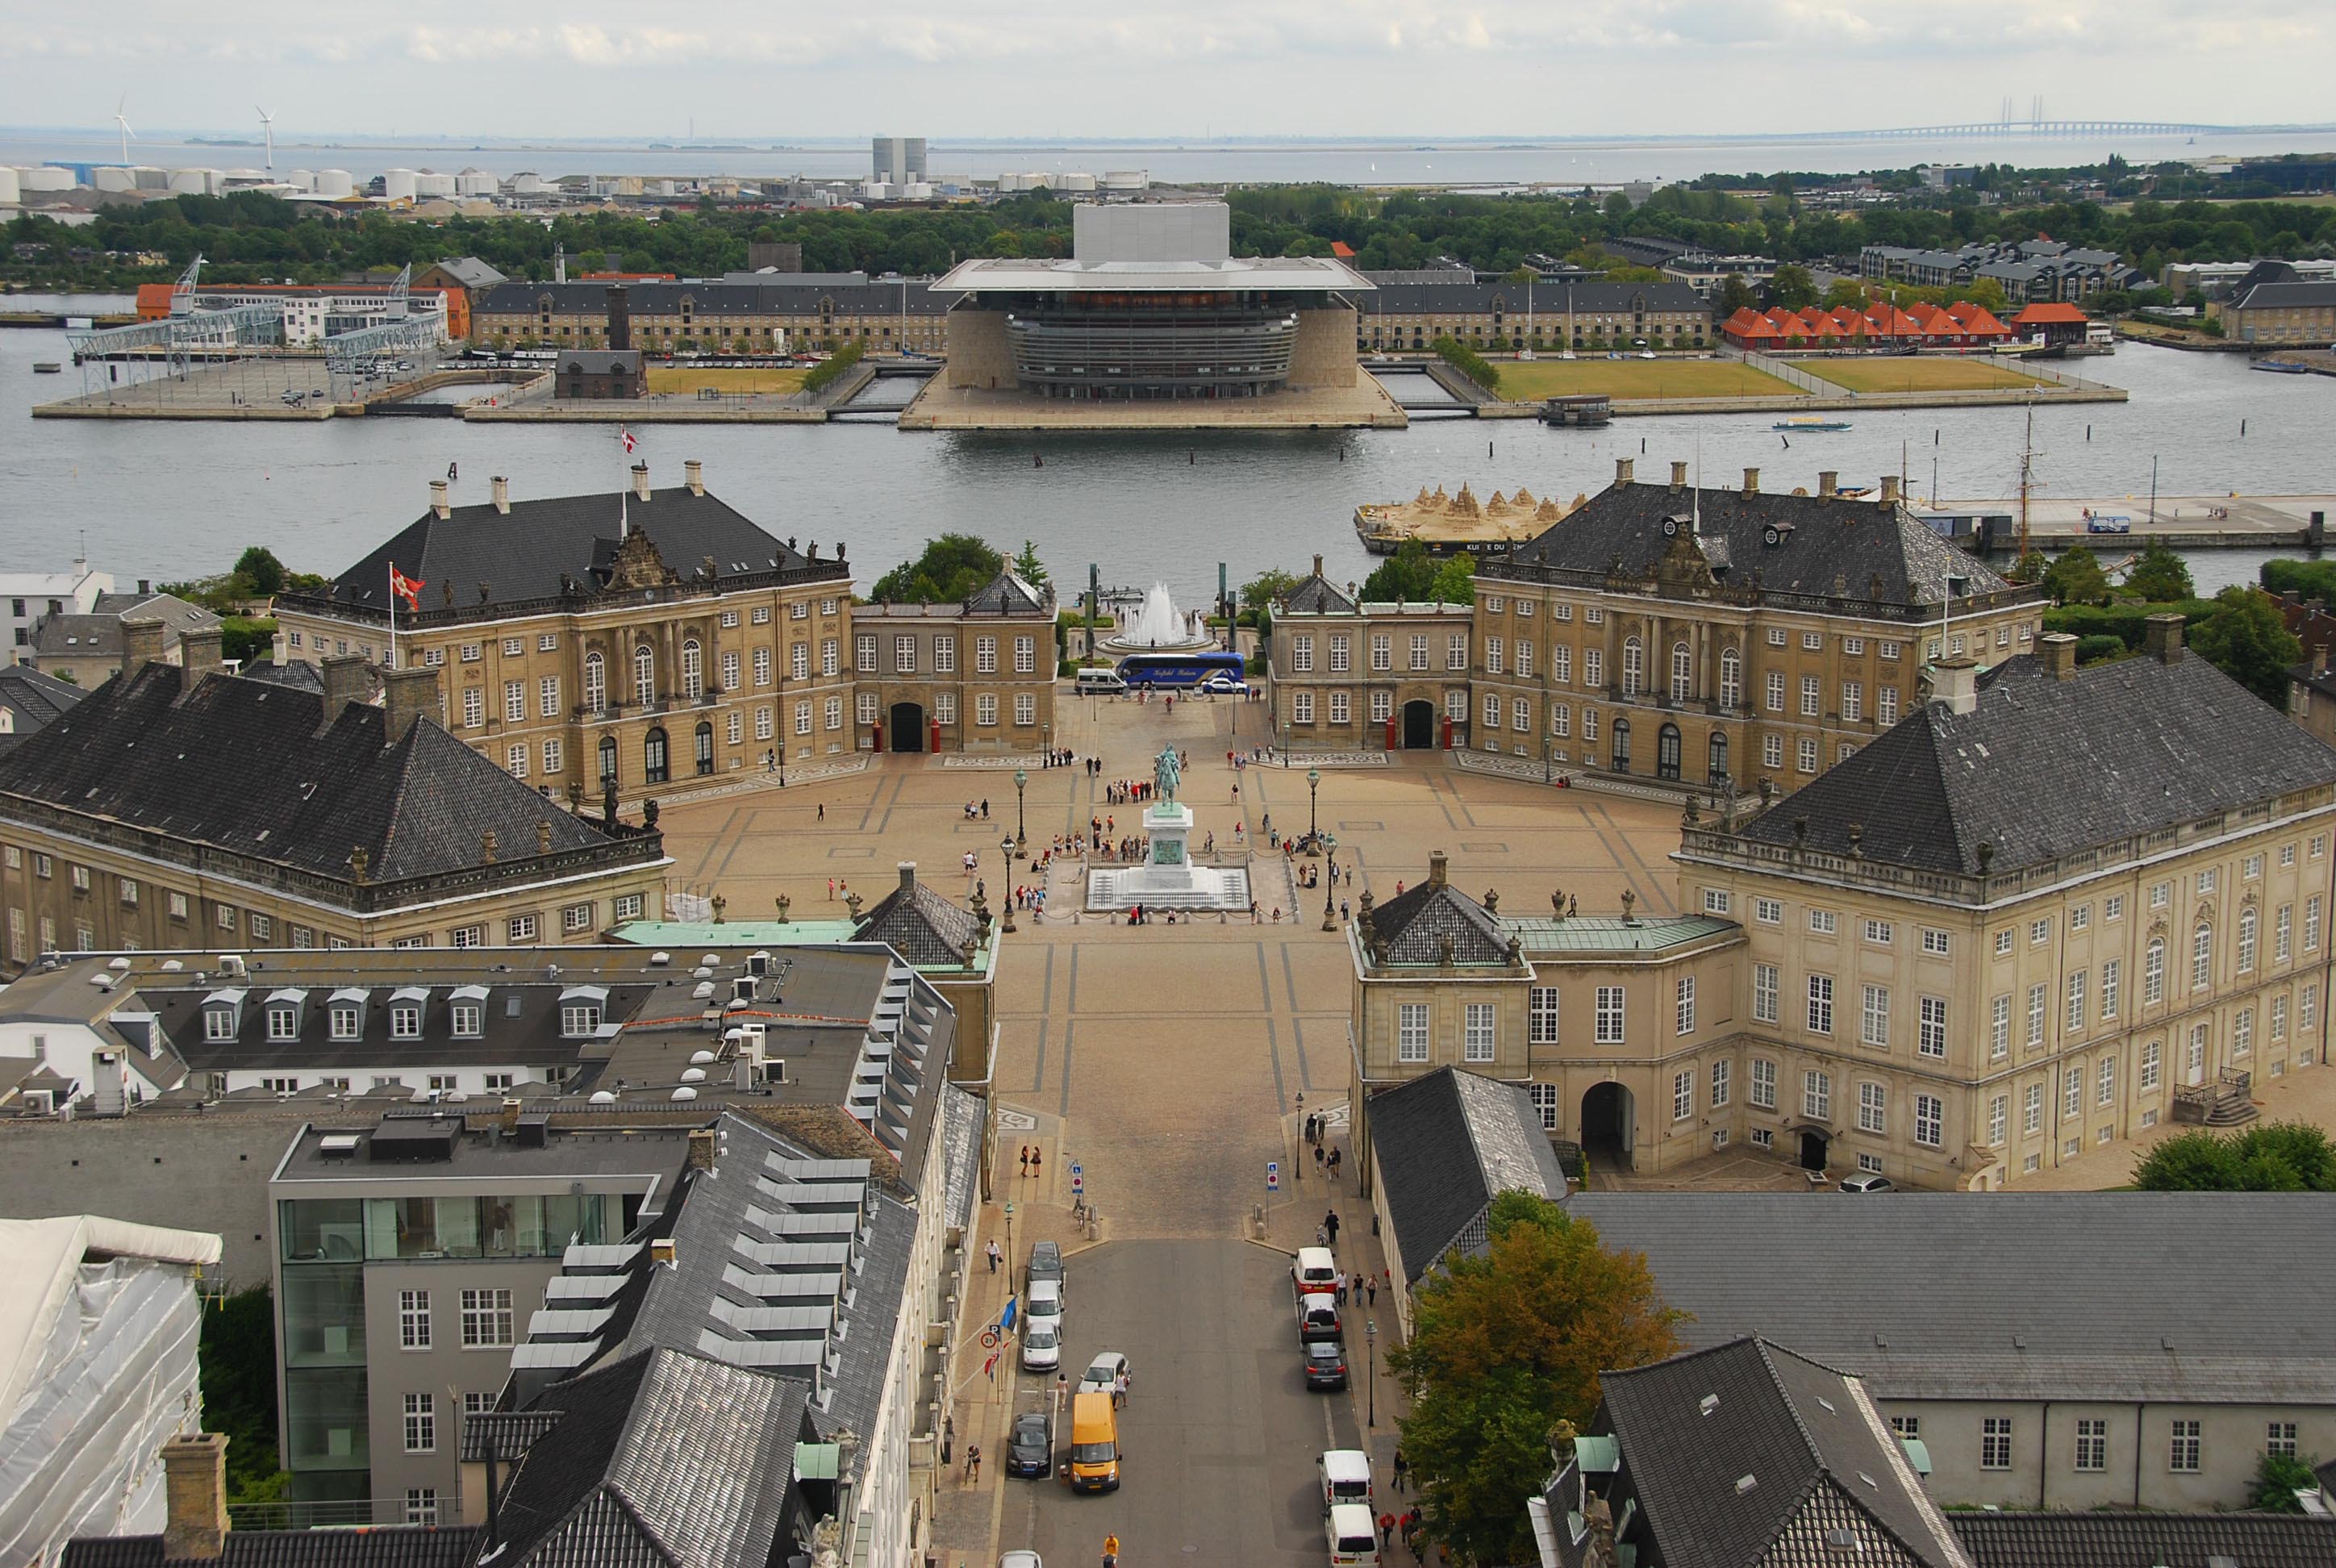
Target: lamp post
{"x": 1313, "y": 789}
{"x": 1370, "y": 1350}
{"x": 1021, "y": 833}
{"x": 1329, "y": 881}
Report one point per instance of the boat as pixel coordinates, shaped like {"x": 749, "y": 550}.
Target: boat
{"x": 2282, "y": 366}
{"x": 1809, "y": 422}
{"x": 1456, "y": 524}
{"x": 47, "y": 367}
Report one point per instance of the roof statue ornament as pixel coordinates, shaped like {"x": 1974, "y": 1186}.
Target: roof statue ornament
{"x": 1629, "y": 900}
{"x": 1557, "y": 902}
{"x": 782, "y": 902}
{"x": 1167, "y": 773}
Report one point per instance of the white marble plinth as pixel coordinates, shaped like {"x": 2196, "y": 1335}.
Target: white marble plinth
{"x": 1166, "y": 878}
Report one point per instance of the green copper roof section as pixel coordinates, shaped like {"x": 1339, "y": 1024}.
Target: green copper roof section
{"x": 705, "y": 936}
{"x": 1613, "y": 934}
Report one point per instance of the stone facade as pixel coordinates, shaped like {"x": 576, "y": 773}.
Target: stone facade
{"x": 1353, "y": 677}
{"x": 745, "y": 317}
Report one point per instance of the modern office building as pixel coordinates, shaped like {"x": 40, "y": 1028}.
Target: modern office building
{"x": 1152, "y": 304}
{"x": 897, "y": 160}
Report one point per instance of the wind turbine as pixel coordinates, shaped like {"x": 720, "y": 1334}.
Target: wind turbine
{"x": 268, "y": 129}
{"x": 124, "y": 123}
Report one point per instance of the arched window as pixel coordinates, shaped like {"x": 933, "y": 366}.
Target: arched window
{"x": 1622, "y": 746}
{"x": 693, "y": 671}
{"x": 2202, "y": 956}
{"x": 1718, "y": 768}
{"x": 1667, "y": 752}
{"x": 644, "y": 675}
{"x": 704, "y": 749}
{"x": 1682, "y": 673}
{"x": 654, "y": 766}
{"x": 2246, "y": 941}
{"x": 2153, "y": 971}
{"x": 1634, "y": 668}
{"x": 1731, "y": 678}
{"x": 596, "y": 683}
{"x": 607, "y": 759}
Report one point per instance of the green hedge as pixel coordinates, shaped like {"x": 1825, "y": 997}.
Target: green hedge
{"x": 825, "y": 374}
{"x": 2097, "y": 649}
{"x": 2126, "y": 622}
{"x": 2304, "y": 578}
{"x": 1468, "y": 363}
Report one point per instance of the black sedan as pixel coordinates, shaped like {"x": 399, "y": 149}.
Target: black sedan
{"x": 1326, "y": 1364}
{"x": 1030, "y": 1451}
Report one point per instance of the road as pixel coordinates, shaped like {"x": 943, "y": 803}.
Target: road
{"x": 1219, "y": 1433}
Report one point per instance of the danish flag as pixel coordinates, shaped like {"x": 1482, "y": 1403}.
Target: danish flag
{"x": 408, "y": 588}
{"x": 627, "y": 437}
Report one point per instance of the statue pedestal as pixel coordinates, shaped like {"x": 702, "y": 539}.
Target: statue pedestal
{"x": 1166, "y": 878}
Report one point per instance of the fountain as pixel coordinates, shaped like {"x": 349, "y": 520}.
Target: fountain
{"x": 1159, "y": 626}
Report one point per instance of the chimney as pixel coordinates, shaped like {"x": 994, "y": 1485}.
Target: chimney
{"x": 1622, "y": 470}
{"x": 2061, "y": 655}
{"x": 1317, "y": 566}
{"x": 347, "y": 679}
{"x": 406, "y": 694}
{"x": 640, "y": 482}
{"x": 438, "y": 500}
{"x": 502, "y": 487}
{"x": 1678, "y": 476}
{"x": 194, "y": 1494}
{"x": 661, "y": 1250}
{"x": 1889, "y": 489}
{"x": 198, "y": 655}
{"x": 620, "y": 317}
{"x": 1751, "y": 482}
{"x": 141, "y": 645}
{"x": 1954, "y": 685}
{"x": 1828, "y": 480}
{"x": 1439, "y": 866}
{"x": 2320, "y": 659}
{"x": 701, "y": 1148}
{"x": 908, "y": 876}
{"x": 693, "y": 473}
{"x": 2161, "y": 639}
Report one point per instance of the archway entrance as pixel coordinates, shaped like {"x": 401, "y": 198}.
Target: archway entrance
{"x": 1420, "y": 726}
{"x": 1606, "y": 1122}
{"x": 1814, "y": 1147}
{"x": 908, "y": 727}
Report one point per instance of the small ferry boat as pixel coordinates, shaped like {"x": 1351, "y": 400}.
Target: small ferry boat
{"x": 2282, "y": 366}
{"x": 1809, "y": 422}
{"x": 47, "y": 367}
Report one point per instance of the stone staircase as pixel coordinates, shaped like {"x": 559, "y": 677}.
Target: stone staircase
{"x": 2228, "y": 1101}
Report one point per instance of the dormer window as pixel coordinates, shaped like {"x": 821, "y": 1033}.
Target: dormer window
{"x": 405, "y": 1021}
{"x": 219, "y": 1024}
{"x": 345, "y": 1024}
{"x": 283, "y": 1023}
{"x": 466, "y": 1012}
{"x": 578, "y": 1019}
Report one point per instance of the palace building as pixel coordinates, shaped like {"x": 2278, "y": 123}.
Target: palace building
{"x": 2050, "y": 907}
{"x": 655, "y": 639}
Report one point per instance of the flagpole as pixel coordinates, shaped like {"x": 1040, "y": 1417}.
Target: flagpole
{"x": 393, "y": 615}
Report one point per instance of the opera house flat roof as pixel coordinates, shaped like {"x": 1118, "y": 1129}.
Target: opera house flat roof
{"x": 1280, "y": 274}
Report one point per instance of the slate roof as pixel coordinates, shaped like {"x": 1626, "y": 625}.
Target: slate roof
{"x": 663, "y": 1460}
{"x": 98, "y": 634}
{"x": 1905, "y": 1292}
{"x": 1857, "y": 549}
{"x": 1442, "y": 1145}
{"x": 1414, "y": 924}
{"x": 1318, "y": 595}
{"x": 1006, "y": 594}
{"x": 35, "y": 698}
{"x": 717, "y": 299}
{"x": 523, "y": 555}
{"x": 1464, "y": 297}
{"x": 2312, "y": 295}
{"x": 1820, "y": 1460}
{"x": 470, "y": 271}
{"x": 921, "y": 926}
{"x": 241, "y": 765}
{"x": 2123, "y": 1539}
{"x": 2045, "y": 767}
{"x": 403, "y": 1546}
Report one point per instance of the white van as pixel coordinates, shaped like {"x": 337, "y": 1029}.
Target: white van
{"x": 1099, "y": 681}
{"x": 1352, "y": 1537}
{"x": 1346, "y": 1475}
{"x": 1313, "y": 1271}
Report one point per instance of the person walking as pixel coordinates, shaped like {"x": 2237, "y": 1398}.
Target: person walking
{"x": 1331, "y": 1223}
{"x": 1037, "y": 1160}
{"x": 1387, "y": 1530}
{"x": 1319, "y": 1160}
{"x": 1111, "y": 1552}
{"x": 822, "y": 811}
{"x": 1334, "y": 1163}
{"x": 994, "y": 1254}
{"x": 1402, "y": 1471}
{"x": 1119, "y": 1391}
{"x": 1026, "y": 1159}
{"x": 1371, "y": 1292}
{"x": 973, "y": 1463}
{"x": 1339, "y": 1286}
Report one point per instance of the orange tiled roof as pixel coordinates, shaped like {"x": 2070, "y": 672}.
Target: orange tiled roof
{"x": 2056, "y": 314}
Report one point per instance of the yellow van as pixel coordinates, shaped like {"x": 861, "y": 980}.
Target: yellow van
{"x": 1094, "y": 1443}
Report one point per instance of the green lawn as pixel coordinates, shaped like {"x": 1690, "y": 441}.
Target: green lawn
{"x": 1529, "y": 381}
{"x": 1912, "y": 375}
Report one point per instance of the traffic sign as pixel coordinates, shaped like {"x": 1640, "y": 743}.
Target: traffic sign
{"x": 1077, "y": 1169}
{"x": 1079, "y": 1182}
{"x": 1273, "y": 1176}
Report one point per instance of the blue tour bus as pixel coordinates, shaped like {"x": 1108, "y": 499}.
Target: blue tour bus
{"x": 1178, "y": 669}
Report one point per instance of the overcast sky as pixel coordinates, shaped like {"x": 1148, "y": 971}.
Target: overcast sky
{"x": 1095, "y": 68}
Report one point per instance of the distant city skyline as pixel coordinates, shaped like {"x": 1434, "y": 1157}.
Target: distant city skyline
{"x": 731, "y": 71}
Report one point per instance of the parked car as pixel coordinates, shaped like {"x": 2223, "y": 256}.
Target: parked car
{"x": 1867, "y": 1182}
{"x": 1326, "y": 1364}
{"x": 1318, "y": 1317}
{"x": 1045, "y": 1263}
{"x": 1097, "y": 1377}
{"x": 1225, "y": 685}
{"x": 1045, "y": 1304}
{"x": 1020, "y": 1560}
{"x": 1042, "y": 1345}
{"x": 1030, "y": 1449}
{"x": 1346, "y": 1477}
{"x": 1312, "y": 1270}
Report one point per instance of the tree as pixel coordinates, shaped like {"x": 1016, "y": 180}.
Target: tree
{"x": 2077, "y": 577}
{"x": 1987, "y": 294}
{"x": 1407, "y": 577}
{"x": 1506, "y": 1345}
{"x": 1455, "y": 581}
{"x": 1844, "y": 294}
{"x": 1260, "y": 591}
{"x": 954, "y": 567}
{"x": 2278, "y": 1479}
{"x": 1793, "y": 287}
{"x": 2029, "y": 568}
{"x": 2274, "y": 1157}
{"x": 237, "y": 1361}
{"x": 2159, "y": 576}
{"x": 1735, "y": 294}
{"x": 259, "y": 566}
{"x": 2245, "y": 639}
{"x": 1029, "y": 567}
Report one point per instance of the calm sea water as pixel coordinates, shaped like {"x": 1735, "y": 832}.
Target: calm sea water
{"x": 163, "y": 500}
{"x": 1397, "y": 160}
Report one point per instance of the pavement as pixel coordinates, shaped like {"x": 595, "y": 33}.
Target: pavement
{"x": 1169, "y": 1062}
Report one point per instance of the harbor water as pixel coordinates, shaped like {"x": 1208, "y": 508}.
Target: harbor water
{"x": 162, "y": 498}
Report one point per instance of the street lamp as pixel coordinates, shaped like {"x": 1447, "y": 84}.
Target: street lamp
{"x": 1330, "y": 879}
{"x": 1370, "y": 1350}
{"x": 1021, "y": 833}
{"x": 1313, "y": 789}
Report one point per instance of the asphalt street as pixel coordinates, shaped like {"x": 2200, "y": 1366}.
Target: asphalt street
{"x": 1220, "y": 1434}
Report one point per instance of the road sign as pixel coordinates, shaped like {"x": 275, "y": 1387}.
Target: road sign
{"x": 1273, "y": 1176}
{"x": 1079, "y": 1182}
{"x": 1077, "y": 1169}
{"x": 989, "y": 1338}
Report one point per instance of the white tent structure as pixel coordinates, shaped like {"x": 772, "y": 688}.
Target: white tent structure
{"x": 99, "y": 1322}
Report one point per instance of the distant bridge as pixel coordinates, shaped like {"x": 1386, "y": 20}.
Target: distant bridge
{"x": 2042, "y": 130}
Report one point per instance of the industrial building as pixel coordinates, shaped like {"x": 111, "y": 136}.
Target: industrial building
{"x": 741, "y": 313}
{"x": 316, "y": 311}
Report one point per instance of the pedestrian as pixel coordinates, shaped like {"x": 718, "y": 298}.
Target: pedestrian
{"x": 830, "y": 889}
{"x": 1334, "y": 1164}
{"x": 1318, "y": 1159}
{"x": 1111, "y": 1552}
{"x": 822, "y": 811}
{"x": 1371, "y": 1292}
{"x": 1119, "y": 1391}
{"x": 985, "y": 808}
{"x": 973, "y": 1463}
{"x": 1331, "y": 1223}
{"x": 1026, "y": 1159}
{"x": 993, "y": 1253}
{"x": 1386, "y": 1530}
{"x": 1402, "y": 1471}
{"x": 1339, "y": 1286}
{"x": 1035, "y": 1162}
